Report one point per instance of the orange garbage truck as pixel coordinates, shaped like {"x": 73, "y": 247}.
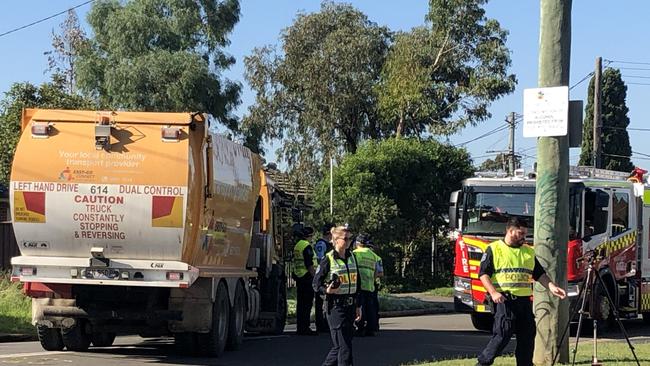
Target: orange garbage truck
{"x": 144, "y": 223}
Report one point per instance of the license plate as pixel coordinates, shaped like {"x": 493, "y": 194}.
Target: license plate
{"x": 101, "y": 273}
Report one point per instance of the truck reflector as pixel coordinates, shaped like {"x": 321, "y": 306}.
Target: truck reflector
{"x": 27, "y": 271}
{"x": 174, "y": 276}
{"x": 170, "y": 134}
{"x": 40, "y": 130}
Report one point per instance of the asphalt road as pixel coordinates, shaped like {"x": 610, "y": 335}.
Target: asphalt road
{"x": 402, "y": 340}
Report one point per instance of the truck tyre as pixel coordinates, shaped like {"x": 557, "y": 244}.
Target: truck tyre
{"x": 237, "y": 318}
{"x": 602, "y": 311}
{"x": 213, "y": 343}
{"x": 482, "y": 321}
{"x": 281, "y": 315}
{"x": 75, "y": 338}
{"x": 185, "y": 343}
{"x": 102, "y": 339}
{"x": 50, "y": 338}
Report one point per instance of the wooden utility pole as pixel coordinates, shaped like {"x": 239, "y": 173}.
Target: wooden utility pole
{"x": 597, "y": 112}
{"x": 552, "y": 188}
{"x": 511, "y": 146}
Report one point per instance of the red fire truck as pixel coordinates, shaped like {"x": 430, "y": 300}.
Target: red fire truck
{"x": 609, "y": 215}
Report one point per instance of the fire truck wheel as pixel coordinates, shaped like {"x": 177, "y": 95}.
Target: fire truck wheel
{"x": 50, "y": 338}
{"x": 213, "y": 343}
{"x": 102, "y": 339}
{"x": 483, "y": 321}
{"x": 603, "y": 312}
{"x": 236, "y": 321}
{"x": 75, "y": 338}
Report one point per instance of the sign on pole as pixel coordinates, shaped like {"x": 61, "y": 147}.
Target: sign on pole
{"x": 546, "y": 111}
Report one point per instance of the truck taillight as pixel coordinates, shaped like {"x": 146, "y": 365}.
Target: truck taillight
{"x": 174, "y": 276}
{"x": 40, "y": 130}
{"x": 574, "y": 260}
{"x": 27, "y": 271}
{"x": 170, "y": 134}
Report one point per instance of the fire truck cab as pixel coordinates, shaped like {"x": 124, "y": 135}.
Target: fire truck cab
{"x": 607, "y": 217}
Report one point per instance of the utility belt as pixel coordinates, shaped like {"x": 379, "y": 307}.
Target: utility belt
{"x": 341, "y": 300}
{"x": 509, "y": 298}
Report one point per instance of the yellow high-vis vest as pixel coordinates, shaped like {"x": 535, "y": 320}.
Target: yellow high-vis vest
{"x": 513, "y": 268}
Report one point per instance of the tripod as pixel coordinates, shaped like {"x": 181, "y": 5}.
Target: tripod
{"x": 587, "y": 290}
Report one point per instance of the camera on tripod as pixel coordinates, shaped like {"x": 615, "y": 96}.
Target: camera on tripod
{"x": 587, "y": 291}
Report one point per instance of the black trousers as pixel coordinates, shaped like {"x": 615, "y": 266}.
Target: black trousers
{"x": 513, "y": 316}
{"x": 304, "y": 302}
{"x": 340, "y": 319}
{"x": 321, "y": 321}
{"x": 375, "y": 297}
{"x": 369, "y": 312}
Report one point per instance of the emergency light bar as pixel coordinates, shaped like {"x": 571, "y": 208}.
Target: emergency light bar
{"x": 591, "y": 172}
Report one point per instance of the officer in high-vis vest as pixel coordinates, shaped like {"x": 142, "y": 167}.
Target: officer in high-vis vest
{"x": 508, "y": 268}
{"x": 321, "y": 247}
{"x": 338, "y": 278}
{"x": 370, "y": 269}
{"x": 304, "y": 263}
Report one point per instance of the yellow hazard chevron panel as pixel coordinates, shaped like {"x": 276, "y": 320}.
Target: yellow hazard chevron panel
{"x": 645, "y": 297}
{"x": 621, "y": 243}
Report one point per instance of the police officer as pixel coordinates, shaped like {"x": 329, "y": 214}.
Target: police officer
{"x": 338, "y": 278}
{"x": 304, "y": 263}
{"x": 321, "y": 247}
{"x": 508, "y": 268}
{"x": 380, "y": 274}
{"x": 369, "y": 269}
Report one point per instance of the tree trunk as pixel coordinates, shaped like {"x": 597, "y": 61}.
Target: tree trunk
{"x": 400, "y": 125}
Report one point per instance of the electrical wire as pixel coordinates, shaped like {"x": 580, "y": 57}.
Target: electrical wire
{"x": 628, "y": 62}
{"x": 44, "y": 19}
{"x": 489, "y": 133}
{"x": 582, "y": 80}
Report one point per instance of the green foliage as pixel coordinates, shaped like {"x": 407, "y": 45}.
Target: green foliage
{"x": 161, "y": 55}
{"x": 25, "y": 95}
{"x": 15, "y": 308}
{"x": 317, "y": 95}
{"x": 396, "y": 190}
{"x": 615, "y": 141}
{"x": 443, "y": 76}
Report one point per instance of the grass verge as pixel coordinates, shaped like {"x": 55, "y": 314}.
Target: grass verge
{"x": 441, "y": 291}
{"x": 609, "y": 353}
{"x": 15, "y": 308}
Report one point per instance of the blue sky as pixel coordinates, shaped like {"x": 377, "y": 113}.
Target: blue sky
{"x": 619, "y": 36}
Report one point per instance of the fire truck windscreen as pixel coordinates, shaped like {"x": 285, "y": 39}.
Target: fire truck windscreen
{"x": 486, "y": 213}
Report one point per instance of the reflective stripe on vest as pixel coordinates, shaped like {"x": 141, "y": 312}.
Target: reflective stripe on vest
{"x": 299, "y": 268}
{"x": 367, "y": 261}
{"x": 513, "y": 268}
{"x": 347, "y": 273}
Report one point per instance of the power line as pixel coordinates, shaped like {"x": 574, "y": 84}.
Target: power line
{"x": 628, "y": 83}
{"x": 636, "y": 76}
{"x": 627, "y": 128}
{"x": 642, "y": 154}
{"x": 635, "y": 68}
{"x": 583, "y": 79}
{"x": 628, "y": 62}
{"x": 498, "y": 129}
{"x": 44, "y": 19}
